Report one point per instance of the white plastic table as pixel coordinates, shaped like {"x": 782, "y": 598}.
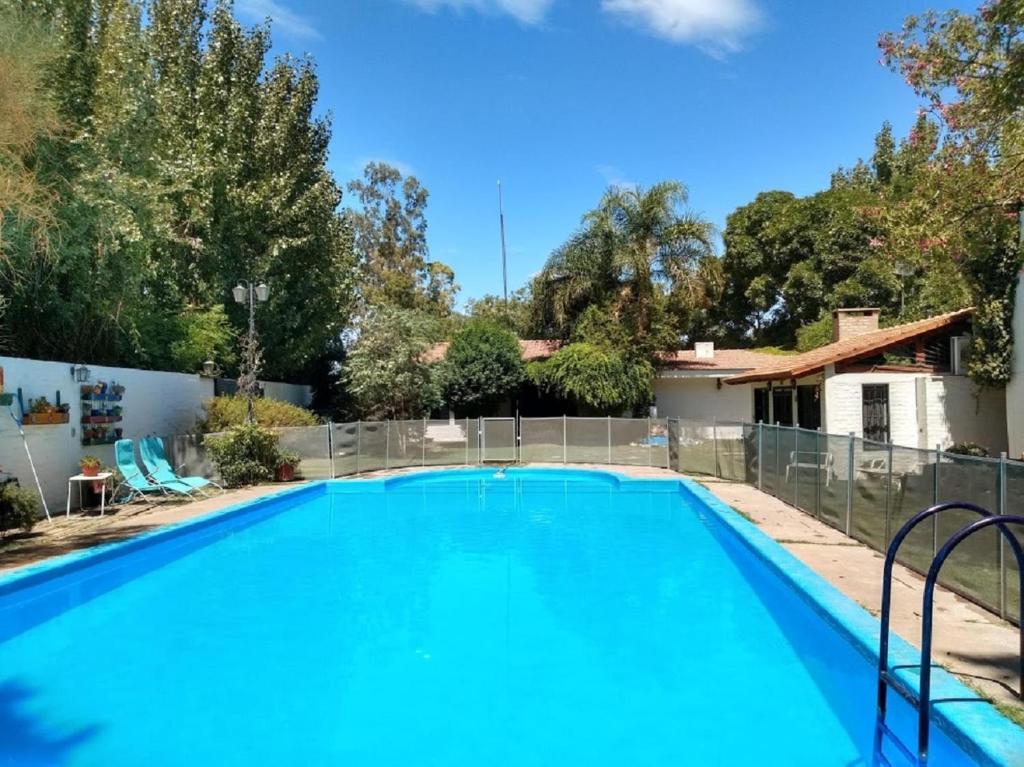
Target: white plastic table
{"x": 103, "y": 476}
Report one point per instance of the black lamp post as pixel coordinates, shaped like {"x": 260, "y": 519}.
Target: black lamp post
{"x": 248, "y": 292}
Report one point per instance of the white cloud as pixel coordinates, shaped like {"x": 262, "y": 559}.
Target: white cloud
{"x": 614, "y": 177}
{"x": 526, "y": 11}
{"x": 716, "y": 26}
{"x": 284, "y": 19}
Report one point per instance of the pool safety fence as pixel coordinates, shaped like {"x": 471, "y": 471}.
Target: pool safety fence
{"x": 865, "y": 489}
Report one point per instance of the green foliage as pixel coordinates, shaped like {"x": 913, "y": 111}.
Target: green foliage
{"x": 599, "y": 378}
{"x": 642, "y": 257}
{"x": 19, "y": 508}
{"x": 183, "y": 162}
{"x": 386, "y": 371}
{"x": 516, "y": 315}
{"x": 815, "y": 335}
{"x": 222, "y": 413}
{"x": 969, "y": 448}
{"x": 244, "y": 455}
{"x": 390, "y": 229}
{"x": 483, "y": 367}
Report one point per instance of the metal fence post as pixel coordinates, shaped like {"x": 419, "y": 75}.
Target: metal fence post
{"x": 796, "y": 467}
{"x": 935, "y": 499}
{"x": 609, "y": 440}
{"x": 849, "y": 485}
{"x": 423, "y": 444}
{"x": 330, "y": 445}
{"x": 564, "y": 438}
{"x": 1001, "y": 490}
{"x": 714, "y": 437}
{"x": 775, "y": 480}
{"x": 760, "y": 455}
{"x": 650, "y": 447}
{"x": 359, "y": 445}
{"x": 467, "y": 441}
{"x": 387, "y": 444}
{"x": 818, "y": 461}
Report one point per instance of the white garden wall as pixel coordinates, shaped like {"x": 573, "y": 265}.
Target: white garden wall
{"x": 154, "y": 403}
{"x": 1015, "y": 388}
{"x": 701, "y": 398}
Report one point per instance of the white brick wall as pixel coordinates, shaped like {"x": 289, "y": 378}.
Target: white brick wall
{"x": 154, "y": 403}
{"x": 953, "y": 409}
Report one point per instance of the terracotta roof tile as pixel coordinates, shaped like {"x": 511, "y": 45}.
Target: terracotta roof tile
{"x": 849, "y": 349}
{"x": 532, "y": 349}
{"x": 723, "y": 359}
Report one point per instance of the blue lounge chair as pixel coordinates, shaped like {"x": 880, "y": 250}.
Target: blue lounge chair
{"x": 154, "y": 458}
{"x": 133, "y": 478}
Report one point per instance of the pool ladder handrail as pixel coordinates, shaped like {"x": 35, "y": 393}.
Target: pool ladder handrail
{"x": 922, "y": 700}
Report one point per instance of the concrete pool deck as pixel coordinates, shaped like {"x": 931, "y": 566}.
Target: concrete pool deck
{"x": 976, "y": 645}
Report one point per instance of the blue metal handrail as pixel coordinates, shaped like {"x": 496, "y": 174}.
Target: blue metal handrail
{"x": 884, "y": 678}
{"x": 1002, "y": 523}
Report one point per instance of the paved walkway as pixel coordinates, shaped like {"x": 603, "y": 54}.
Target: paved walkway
{"x": 973, "y": 643}
{"x": 81, "y": 530}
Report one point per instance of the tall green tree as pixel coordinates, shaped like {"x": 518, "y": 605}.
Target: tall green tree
{"x": 644, "y": 258}
{"x": 390, "y": 231}
{"x": 482, "y": 368}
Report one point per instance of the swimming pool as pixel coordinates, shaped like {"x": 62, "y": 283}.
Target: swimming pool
{"x": 531, "y": 617}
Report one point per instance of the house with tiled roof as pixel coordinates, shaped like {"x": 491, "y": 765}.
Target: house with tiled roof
{"x": 903, "y": 384}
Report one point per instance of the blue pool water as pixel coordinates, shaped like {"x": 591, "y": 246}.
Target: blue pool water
{"x": 464, "y": 619}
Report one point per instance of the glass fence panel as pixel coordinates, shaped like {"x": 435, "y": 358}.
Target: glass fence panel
{"x": 673, "y": 444}
{"x": 869, "y": 522}
{"x": 586, "y": 440}
{"x": 786, "y": 456}
{"x": 697, "y": 447}
{"x": 446, "y": 442}
{"x": 498, "y": 440}
{"x": 770, "y": 447}
{"x": 311, "y": 444}
{"x": 912, "y": 490}
{"x": 810, "y": 468}
{"x": 751, "y": 457}
{"x": 1014, "y": 505}
{"x": 730, "y": 450}
{"x": 188, "y": 456}
{"x": 345, "y": 444}
{"x": 974, "y": 567}
{"x": 631, "y": 445}
{"x": 373, "y": 445}
{"x": 834, "y": 479}
{"x": 541, "y": 440}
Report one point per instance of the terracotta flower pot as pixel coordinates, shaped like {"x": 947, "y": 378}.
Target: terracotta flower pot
{"x": 90, "y": 471}
{"x": 284, "y": 473}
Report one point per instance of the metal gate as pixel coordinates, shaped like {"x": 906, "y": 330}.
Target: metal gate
{"x": 498, "y": 439}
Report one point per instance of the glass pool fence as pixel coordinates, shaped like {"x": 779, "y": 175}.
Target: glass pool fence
{"x": 865, "y": 489}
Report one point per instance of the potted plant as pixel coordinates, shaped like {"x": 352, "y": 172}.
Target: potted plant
{"x": 19, "y": 508}
{"x": 284, "y": 468}
{"x": 90, "y": 465}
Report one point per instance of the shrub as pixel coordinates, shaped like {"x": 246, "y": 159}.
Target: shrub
{"x": 244, "y": 455}
{"x": 19, "y": 508}
{"x": 483, "y": 367}
{"x": 224, "y": 412}
{"x": 969, "y": 448}
{"x": 600, "y": 379}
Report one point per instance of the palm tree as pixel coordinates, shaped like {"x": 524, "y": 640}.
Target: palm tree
{"x": 641, "y": 255}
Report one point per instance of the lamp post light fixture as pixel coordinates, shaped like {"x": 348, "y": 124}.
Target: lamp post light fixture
{"x": 80, "y": 373}
{"x": 248, "y": 292}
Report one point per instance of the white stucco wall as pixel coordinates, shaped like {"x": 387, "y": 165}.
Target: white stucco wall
{"x": 924, "y": 410}
{"x": 701, "y": 398}
{"x": 1015, "y": 388}
{"x": 154, "y": 403}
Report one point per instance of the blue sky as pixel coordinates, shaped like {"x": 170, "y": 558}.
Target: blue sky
{"x": 559, "y": 98}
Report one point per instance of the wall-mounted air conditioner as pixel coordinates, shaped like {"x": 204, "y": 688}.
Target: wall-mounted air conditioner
{"x": 958, "y": 346}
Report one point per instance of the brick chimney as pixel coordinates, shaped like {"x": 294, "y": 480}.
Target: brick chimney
{"x": 847, "y": 323}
